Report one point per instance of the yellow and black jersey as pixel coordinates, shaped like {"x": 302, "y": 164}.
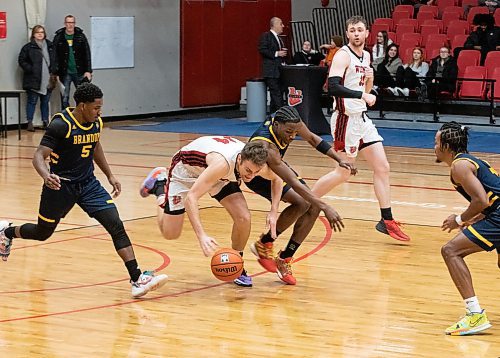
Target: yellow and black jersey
{"x": 265, "y": 132}
{"x": 72, "y": 146}
{"x": 487, "y": 176}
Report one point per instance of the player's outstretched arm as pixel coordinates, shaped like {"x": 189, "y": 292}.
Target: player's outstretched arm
{"x": 324, "y": 147}
{"x": 52, "y": 181}
{"x": 284, "y": 172}
{"x": 276, "y": 192}
{"x": 217, "y": 168}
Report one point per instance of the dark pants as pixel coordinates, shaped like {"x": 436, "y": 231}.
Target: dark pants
{"x": 407, "y": 78}
{"x": 276, "y": 92}
{"x": 67, "y": 80}
{"x": 434, "y": 89}
{"x": 31, "y": 105}
{"x": 383, "y": 78}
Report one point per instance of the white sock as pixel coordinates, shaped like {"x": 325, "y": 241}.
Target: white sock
{"x": 472, "y": 304}
{"x": 160, "y": 199}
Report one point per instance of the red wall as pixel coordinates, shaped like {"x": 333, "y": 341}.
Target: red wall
{"x": 219, "y": 47}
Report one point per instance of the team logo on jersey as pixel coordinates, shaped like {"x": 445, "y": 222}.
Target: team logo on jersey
{"x": 353, "y": 150}
{"x": 176, "y": 199}
{"x": 294, "y": 96}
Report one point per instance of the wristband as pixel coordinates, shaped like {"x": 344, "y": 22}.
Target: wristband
{"x": 323, "y": 147}
{"x": 458, "y": 219}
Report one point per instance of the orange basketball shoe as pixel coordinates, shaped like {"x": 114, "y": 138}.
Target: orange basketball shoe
{"x": 392, "y": 228}
{"x": 265, "y": 254}
{"x": 284, "y": 270}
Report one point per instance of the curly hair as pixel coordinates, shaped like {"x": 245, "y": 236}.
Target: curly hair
{"x": 455, "y": 137}
{"x": 287, "y": 114}
{"x": 255, "y": 152}
{"x": 87, "y": 93}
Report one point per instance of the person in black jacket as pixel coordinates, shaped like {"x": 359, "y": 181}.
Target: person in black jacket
{"x": 485, "y": 38}
{"x": 273, "y": 53}
{"x": 308, "y": 55}
{"x": 73, "y": 60}
{"x": 37, "y": 61}
{"x": 442, "y": 75}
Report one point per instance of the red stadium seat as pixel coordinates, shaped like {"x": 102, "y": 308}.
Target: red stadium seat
{"x": 450, "y": 16}
{"x": 442, "y": 4}
{"x": 467, "y": 58}
{"x": 376, "y": 28}
{"x": 496, "y": 85}
{"x": 384, "y": 20}
{"x": 458, "y": 41}
{"x": 470, "y": 3}
{"x": 497, "y": 17}
{"x": 411, "y": 37}
{"x": 473, "y": 89}
{"x": 404, "y": 8}
{"x": 406, "y": 48}
{"x": 403, "y": 29}
{"x": 406, "y": 22}
{"x": 398, "y": 17}
{"x": 426, "y": 31}
{"x": 392, "y": 36}
{"x": 457, "y": 27}
{"x": 429, "y": 8}
{"x": 491, "y": 62}
{"x": 435, "y": 22}
{"x": 423, "y": 16}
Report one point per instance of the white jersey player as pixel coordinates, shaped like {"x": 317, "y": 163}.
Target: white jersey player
{"x": 350, "y": 82}
{"x": 215, "y": 165}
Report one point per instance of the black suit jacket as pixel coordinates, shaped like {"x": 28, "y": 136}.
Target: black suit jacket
{"x": 268, "y": 45}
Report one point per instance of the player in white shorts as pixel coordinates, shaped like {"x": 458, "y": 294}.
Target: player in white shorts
{"x": 214, "y": 165}
{"x": 350, "y": 82}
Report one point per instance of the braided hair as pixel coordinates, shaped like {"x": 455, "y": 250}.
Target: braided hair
{"x": 455, "y": 137}
{"x": 287, "y": 114}
{"x": 87, "y": 93}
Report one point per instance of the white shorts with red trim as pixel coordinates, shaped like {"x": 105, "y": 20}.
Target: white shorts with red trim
{"x": 179, "y": 182}
{"x": 350, "y": 132}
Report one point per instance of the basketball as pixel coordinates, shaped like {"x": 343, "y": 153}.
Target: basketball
{"x": 227, "y": 264}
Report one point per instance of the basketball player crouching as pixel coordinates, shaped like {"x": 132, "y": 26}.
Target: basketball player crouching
{"x": 214, "y": 165}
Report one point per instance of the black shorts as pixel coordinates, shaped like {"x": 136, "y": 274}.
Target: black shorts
{"x": 89, "y": 195}
{"x": 262, "y": 186}
{"x": 486, "y": 233}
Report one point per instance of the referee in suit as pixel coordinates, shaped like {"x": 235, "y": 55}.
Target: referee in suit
{"x": 273, "y": 54}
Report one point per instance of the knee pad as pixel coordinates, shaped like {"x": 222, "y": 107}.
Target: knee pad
{"x": 119, "y": 235}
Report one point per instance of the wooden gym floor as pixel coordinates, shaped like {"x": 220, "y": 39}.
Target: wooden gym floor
{"x": 359, "y": 293}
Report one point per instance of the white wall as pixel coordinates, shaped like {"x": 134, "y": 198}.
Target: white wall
{"x": 151, "y": 86}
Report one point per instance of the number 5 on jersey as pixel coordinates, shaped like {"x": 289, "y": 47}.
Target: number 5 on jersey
{"x": 86, "y": 150}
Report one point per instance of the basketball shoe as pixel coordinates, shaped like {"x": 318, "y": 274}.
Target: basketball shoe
{"x": 154, "y": 178}
{"x": 244, "y": 280}
{"x": 471, "y": 323}
{"x": 5, "y": 242}
{"x": 147, "y": 282}
{"x": 284, "y": 269}
{"x": 392, "y": 228}
{"x": 265, "y": 254}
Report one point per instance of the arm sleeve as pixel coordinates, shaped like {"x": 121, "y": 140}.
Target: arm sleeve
{"x": 337, "y": 90}
{"x": 55, "y": 132}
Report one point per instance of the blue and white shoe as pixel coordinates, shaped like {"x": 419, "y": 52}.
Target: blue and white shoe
{"x": 243, "y": 280}
{"x": 155, "y": 175}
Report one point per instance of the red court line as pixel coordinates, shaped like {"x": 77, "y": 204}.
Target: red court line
{"x": 166, "y": 262}
{"x": 326, "y": 239}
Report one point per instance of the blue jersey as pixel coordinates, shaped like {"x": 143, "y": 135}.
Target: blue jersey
{"x": 72, "y": 145}
{"x": 487, "y": 176}
{"x": 265, "y": 132}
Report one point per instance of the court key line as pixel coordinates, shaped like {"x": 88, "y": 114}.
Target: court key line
{"x": 326, "y": 239}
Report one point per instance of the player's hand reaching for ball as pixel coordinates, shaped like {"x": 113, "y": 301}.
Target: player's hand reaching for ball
{"x": 333, "y": 218}
{"x": 450, "y": 223}
{"x": 117, "y": 187}
{"x": 349, "y": 166}
{"x": 208, "y": 245}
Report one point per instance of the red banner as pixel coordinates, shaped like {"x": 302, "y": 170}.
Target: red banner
{"x": 3, "y": 24}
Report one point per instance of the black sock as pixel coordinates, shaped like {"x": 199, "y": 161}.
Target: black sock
{"x": 290, "y": 249}
{"x": 267, "y": 237}
{"x": 386, "y": 213}
{"x": 159, "y": 188}
{"x": 10, "y": 232}
{"x": 133, "y": 270}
